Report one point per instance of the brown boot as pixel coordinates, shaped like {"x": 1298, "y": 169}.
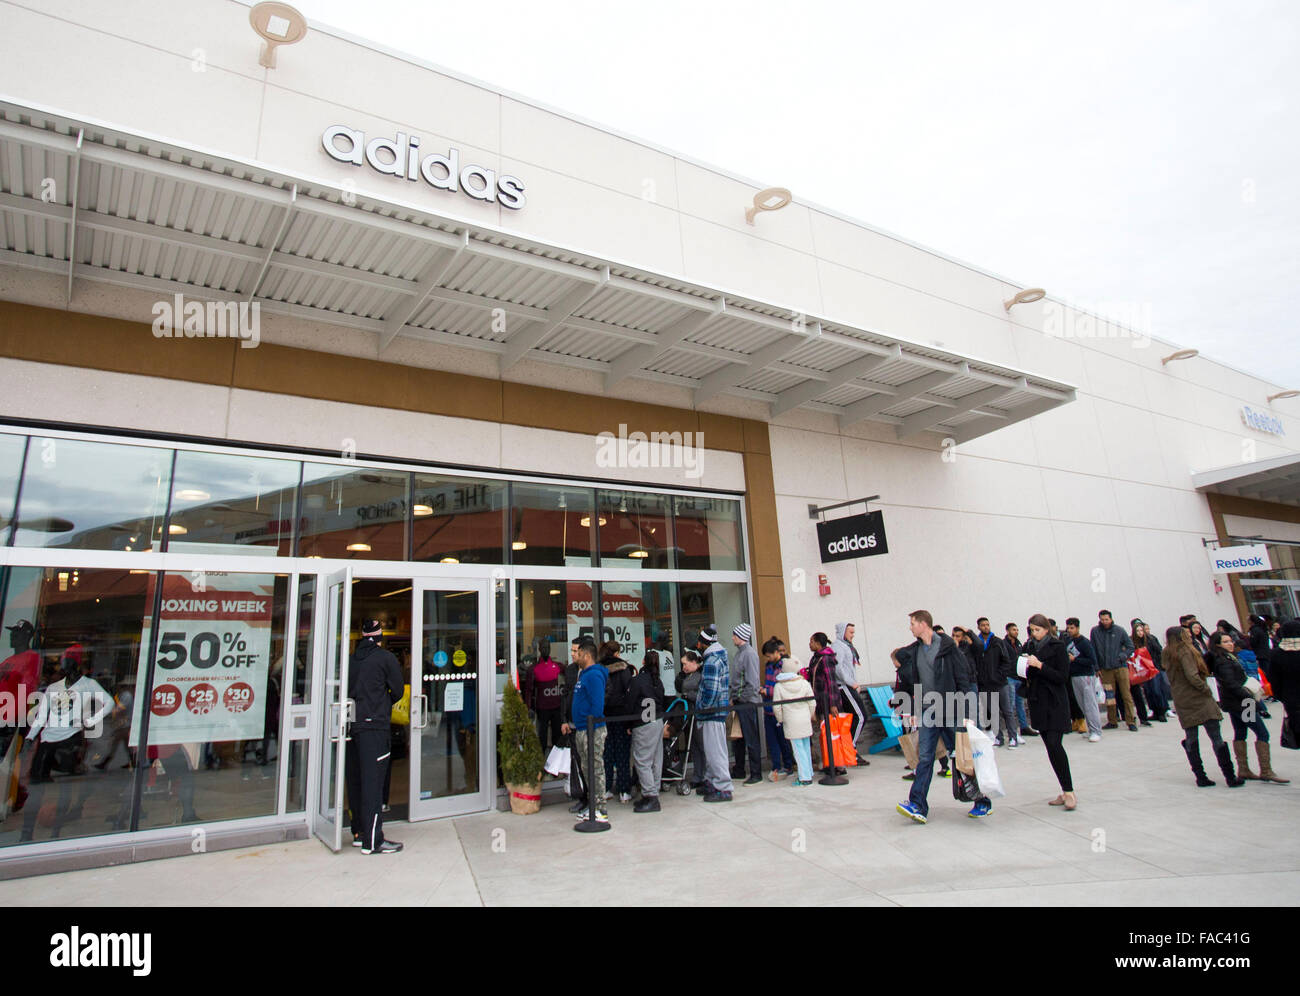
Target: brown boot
{"x": 1266, "y": 772}
{"x": 1243, "y": 762}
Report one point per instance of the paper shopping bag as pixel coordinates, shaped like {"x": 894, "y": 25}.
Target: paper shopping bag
{"x": 965, "y": 760}
{"x": 558, "y": 761}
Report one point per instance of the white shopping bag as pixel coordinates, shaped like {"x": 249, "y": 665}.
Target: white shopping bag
{"x": 557, "y": 762}
{"x": 1101, "y": 694}
{"x": 986, "y": 768}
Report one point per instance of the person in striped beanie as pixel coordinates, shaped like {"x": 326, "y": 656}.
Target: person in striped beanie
{"x": 747, "y": 692}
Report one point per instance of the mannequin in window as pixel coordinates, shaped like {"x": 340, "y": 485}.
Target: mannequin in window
{"x": 19, "y": 679}
{"x": 546, "y": 696}
{"x": 71, "y": 707}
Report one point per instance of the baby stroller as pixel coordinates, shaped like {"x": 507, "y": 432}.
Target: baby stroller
{"x": 679, "y": 728}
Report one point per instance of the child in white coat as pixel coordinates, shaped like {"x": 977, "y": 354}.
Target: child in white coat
{"x": 795, "y": 717}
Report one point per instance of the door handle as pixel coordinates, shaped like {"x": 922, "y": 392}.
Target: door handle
{"x": 424, "y": 711}
{"x": 336, "y": 725}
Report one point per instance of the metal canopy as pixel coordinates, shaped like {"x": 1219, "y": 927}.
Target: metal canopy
{"x": 95, "y": 204}
{"x": 1277, "y": 479}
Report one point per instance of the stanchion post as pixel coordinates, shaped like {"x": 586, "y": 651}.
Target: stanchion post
{"x": 828, "y": 755}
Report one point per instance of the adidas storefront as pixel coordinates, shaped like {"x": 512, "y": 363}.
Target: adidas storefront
{"x": 353, "y": 336}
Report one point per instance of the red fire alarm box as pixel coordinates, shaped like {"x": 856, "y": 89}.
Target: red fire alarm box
{"x": 823, "y": 586}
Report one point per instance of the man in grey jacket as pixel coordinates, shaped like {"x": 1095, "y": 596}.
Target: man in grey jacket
{"x": 747, "y": 689}
{"x": 846, "y": 671}
{"x": 1114, "y": 647}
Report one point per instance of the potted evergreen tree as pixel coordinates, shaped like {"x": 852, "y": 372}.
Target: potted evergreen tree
{"x": 520, "y": 753}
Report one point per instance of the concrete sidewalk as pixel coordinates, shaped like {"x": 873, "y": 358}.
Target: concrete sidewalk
{"x": 1143, "y": 835}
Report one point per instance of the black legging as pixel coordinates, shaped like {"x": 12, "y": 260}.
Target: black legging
{"x": 548, "y": 721}
{"x": 1056, "y": 754}
{"x": 1192, "y": 743}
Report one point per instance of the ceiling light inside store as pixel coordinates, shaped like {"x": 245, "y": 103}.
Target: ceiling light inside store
{"x": 519, "y": 545}
{"x": 554, "y": 591}
{"x": 176, "y": 529}
{"x": 585, "y": 521}
{"x": 449, "y": 560}
{"x": 638, "y": 554}
{"x": 192, "y": 494}
{"x": 423, "y": 510}
{"x": 359, "y": 547}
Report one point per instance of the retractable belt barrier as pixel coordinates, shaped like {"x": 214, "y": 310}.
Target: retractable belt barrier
{"x": 592, "y": 825}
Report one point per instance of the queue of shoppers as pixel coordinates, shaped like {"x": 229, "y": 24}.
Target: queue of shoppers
{"x": 730, "y": 705}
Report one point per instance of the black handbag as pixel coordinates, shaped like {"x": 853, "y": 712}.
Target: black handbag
{"x": 1288, "y": 738}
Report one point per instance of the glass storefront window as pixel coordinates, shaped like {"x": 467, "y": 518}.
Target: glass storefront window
{"x": 634, "y": 529}
{"x": 723, "y": 604}
{"x": 459, "y": 520}
{"x": 551, "y": 525}
{"x": 68, "y": 683}
{"x": 549, "y": 615}
{"x": 214, "y": 710}
{"x": 707, "y": 532}
{"x": 233, "y": 501}
{"x": 353, "y": 514}
{"x": 11, "y": 463}
{"x": 93, "y": 496}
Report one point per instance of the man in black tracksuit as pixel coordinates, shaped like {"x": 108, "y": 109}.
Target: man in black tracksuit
{"x": 374, "y": 684}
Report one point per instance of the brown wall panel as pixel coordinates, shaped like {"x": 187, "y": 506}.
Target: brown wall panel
{"x": 756, "y": 437}
{"x": 769, "y": 607}
{"x": 1254, "y": 508}
{"x": 548, "y": 408}
{"x": 722, "y": 432}
{"x": 764, "y": 544}
{"x": 47, "y": 335}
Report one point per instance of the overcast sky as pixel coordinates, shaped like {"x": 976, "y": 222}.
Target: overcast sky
{"x": 1131, "y": 157}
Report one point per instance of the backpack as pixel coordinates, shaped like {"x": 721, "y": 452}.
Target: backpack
{"x": 616, "y": 689}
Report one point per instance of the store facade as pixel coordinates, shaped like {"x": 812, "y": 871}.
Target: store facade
{"x": 280, "y": 348}
{"x": 223, "y": 586}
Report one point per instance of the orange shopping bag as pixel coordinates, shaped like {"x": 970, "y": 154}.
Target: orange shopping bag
{"x": 841, "y": 724}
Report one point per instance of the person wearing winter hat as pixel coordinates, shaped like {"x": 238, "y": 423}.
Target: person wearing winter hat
{"x": 712, "y": 699}
{"x": 747, "y": 690}
{"x": 795, "y": 718}
{"x": 375, "y": 684}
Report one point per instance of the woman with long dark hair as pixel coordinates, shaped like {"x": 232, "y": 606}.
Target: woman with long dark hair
{"x": 1195, "y": 705}
{"x": 826, "y": 689}
{"x": 1046, "y": 670}
{"x": 1242, "y": 708}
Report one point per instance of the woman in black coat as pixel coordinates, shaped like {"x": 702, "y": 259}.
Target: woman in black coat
{"x": 1047, "y": 675}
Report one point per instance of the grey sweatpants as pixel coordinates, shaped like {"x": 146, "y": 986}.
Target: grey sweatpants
{"x": 713, "y": 737}
{"x": 1085, "y": 693}
{"x": 648, "y": 756}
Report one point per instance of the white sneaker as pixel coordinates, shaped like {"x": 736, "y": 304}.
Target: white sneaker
{"x": 1012, "y": 745}
{"x": 1094, "y": 738}
{"x": 625, "y": 797}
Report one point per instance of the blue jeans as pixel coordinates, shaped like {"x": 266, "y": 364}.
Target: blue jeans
{"x": 802, "y": 748}
{"x": 927, "y": 741}
{"x": 1021, "y": 714}
{"x": 778, "y": 747}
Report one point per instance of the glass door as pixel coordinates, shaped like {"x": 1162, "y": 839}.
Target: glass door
{"x": 451, "y": 699}
{"x": 335, "y": 631}
{"x": 1276, "y": 599}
